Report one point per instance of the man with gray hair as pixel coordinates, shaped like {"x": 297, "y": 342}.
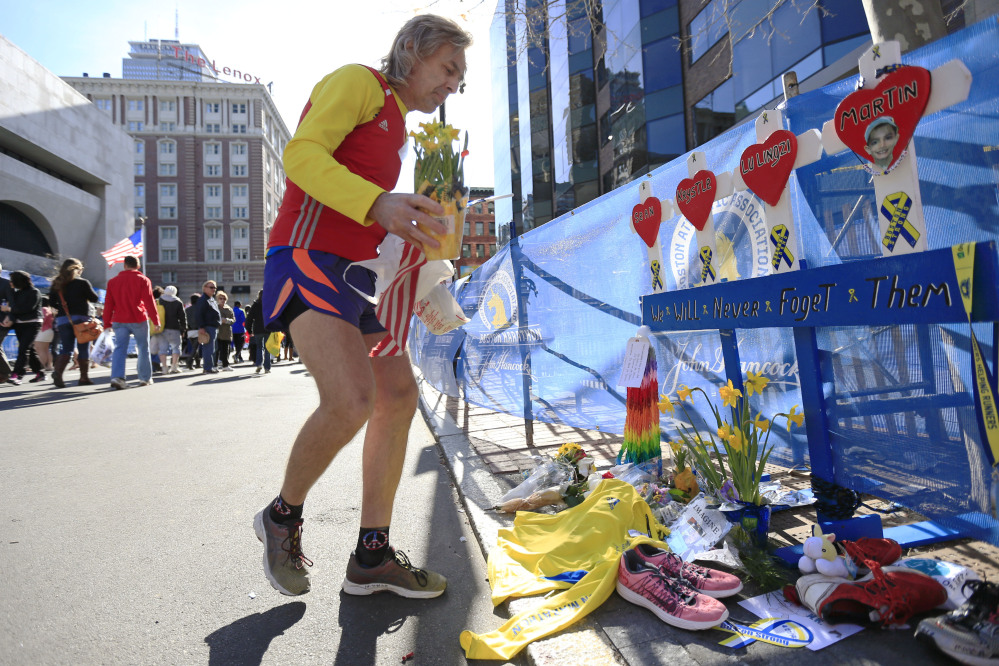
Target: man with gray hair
{"x": 342, "y": 165}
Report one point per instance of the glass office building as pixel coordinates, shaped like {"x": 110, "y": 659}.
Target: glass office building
{"x": 598, "y": 93}
{"x": 166, "y": 60}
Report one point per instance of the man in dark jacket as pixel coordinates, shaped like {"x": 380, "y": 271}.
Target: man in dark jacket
{"x": 175, "y": 321}
{"x": 206, "y": 313}
{"x": 258, "y": 335}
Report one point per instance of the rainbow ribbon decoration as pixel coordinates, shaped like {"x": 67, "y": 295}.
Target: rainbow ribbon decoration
{"x": 641, "y": 422}
{"x": 707, "y": 269}
{"x": 779, "y": 237}
{"x": 896, "y": 208}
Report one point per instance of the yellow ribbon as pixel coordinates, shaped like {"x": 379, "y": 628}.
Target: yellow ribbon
{"x": 896, "y": 208}
{"x": 657, "y": 281}
{"x": 779, "y": 238}
{"x": 707, "y": 269}
{"x": 964, "y": 266}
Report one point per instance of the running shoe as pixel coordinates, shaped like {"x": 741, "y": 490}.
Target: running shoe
{"x": 284, "y": 561}
{"x": 39, "y": 377}
{"x": 717, "y": 584}
{"x": 118, "y": 383}
{"x": 395, "y": 574}
{"x": 969, "y": 634}
{"x": 886, "y": 596}
{"x": 670, "y": 598}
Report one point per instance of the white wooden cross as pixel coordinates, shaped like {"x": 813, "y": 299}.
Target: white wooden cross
{"x": 705, "y": 249}
{"x": 900, "y": 207}
{"x": 654, "y": 253}
{"x": 782, "y": 233}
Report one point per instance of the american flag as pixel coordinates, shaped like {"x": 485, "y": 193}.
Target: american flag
{"x": 395, "y": 307}
{"x": 126, "y": 246}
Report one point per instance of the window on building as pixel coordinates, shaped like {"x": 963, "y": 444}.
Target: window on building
{"x": 213, "y": 232}
{"x": 168, "y": 127}
{"x": 136, "y": 105}
{"x": 239, "y": 108}
{"x": 212, "y": 107}
{"x": 168, "y": 190}
{"x": 168, "y": 234}
{"x": 480, "y": 250}
{"x": 240, "y": 232}
{"x": 215, "y": 276}
{"x": 140, "y": 211}
{"x": 135, "y": 126}
{"x": 468, "y": 228}
{"x": 213, "y": 191}
{"x": 140, "y": 169}
{"x": 214, "y": 254}
{"x": 239, "y": 191}
{"x": 140, "y": 191}
{"x": 240, "y": 212}
{"x": 168, "y": 106}
{"x": 238, "y": 149}
{"x": 140, "y": 147}
{"x": 213, "y": 212}
{"x": 240, "y": 253}
{"x": 103, "y": 104}
{"x": 480, "y": 228}
{"x": 241, "y": 275}
{"x": 213, "y": 128}
{"x": 213, "y": 170}
{"x": 168, "y": 148}
{"x": 168, "y": 212}
{"x": 466, "y": 250}
{"x": 707, "y": 28}
{"x": 166, "y": 169}
{"x": 492, "y": 249}
{"x": 169, "y": 277}
{"x": 213, "y": 148}
{"x": 239, "y": 170}
{"x": 168, "y": 254}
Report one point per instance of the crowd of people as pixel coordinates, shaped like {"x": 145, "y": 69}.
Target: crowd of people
{"x": 168, "y": 335}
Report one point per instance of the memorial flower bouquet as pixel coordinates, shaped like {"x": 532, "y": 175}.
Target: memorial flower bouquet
{"x": 730, "y": 461}
{"x": 440, "y": 175}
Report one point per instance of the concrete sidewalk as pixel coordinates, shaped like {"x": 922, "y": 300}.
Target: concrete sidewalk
{"x": 485, "y": 451}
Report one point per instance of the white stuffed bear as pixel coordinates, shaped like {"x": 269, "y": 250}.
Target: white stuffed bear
{"x": 822, "y": 556}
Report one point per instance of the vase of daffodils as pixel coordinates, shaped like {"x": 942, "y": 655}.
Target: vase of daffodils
{"x": 439, "y": 175}
{"x": 730, "y": 461}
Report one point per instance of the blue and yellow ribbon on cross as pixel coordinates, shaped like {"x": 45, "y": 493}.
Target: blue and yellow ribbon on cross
{"x": 779, "y": 237}
{"x": 707, "y": 269}
{"x": 657, "y": 280}
{"x": 896, "y": 208}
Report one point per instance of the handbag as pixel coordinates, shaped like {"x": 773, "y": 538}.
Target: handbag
{"x": 85, "y": 331}
{"x": 203, "y": 337}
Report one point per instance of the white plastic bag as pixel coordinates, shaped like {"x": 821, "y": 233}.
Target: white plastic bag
{"x": 386, "y": 265}
{"x": 103, "y": 347}
{"x": 440, "y": 312}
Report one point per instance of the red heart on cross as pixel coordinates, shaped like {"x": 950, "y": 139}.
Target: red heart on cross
{"x": 878, "y": 124}
{"x": 765, "y": 167}
{"x": 694, "y": 197}
{"x": 646, "y": 218}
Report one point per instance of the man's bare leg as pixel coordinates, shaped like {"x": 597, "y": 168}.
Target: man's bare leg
{"x": 387, "y": 433}
{"x": 335, "y": 355}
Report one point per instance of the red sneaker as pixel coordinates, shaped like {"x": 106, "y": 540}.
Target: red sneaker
{"x": 868, "y": 549}
{"x": 886, "y": 596}
{"x": 671, "y": 599}
{"x": 717, "y": 584}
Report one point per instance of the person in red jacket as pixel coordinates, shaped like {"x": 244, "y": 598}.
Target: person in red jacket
{"x": 128, "y": 309}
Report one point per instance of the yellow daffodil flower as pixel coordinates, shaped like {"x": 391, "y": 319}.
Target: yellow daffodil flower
{"x": 795, "y": 418}
{"x": 761, "y": 423}
{"x": 683, "y": 393}
{"x": 676, "y": 446}
{"x": 736, "y": 440}
{"x": 755, "y": 383}
{"x": 725, "y": 431}
{"x": 729, "y": 394}
{"x": 665, "y": 405}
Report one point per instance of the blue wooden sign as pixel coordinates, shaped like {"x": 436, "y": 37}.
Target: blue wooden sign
{"x": 908, "y": 289}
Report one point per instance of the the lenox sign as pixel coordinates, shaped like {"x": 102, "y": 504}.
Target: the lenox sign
{"x": 187, "y": 56}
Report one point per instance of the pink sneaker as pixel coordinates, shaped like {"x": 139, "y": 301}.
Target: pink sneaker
{"x": 671, "y": 599}
{"x": 717, "y": 584}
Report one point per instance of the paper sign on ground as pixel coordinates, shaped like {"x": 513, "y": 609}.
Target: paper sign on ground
{"x": 773, "y": 604}
{"x": 633, "y": 367}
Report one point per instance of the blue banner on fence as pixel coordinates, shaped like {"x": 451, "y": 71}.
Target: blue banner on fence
{"x": 552, "y": 312}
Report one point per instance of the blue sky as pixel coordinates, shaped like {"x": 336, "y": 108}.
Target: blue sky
{"x": 293, "y": 48}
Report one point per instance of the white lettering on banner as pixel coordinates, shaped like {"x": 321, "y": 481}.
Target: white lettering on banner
{"x": 780, "y": 373}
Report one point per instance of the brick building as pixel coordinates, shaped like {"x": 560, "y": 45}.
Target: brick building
{"x": 208, "y": 178}
{"x": 478, "y": 242}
